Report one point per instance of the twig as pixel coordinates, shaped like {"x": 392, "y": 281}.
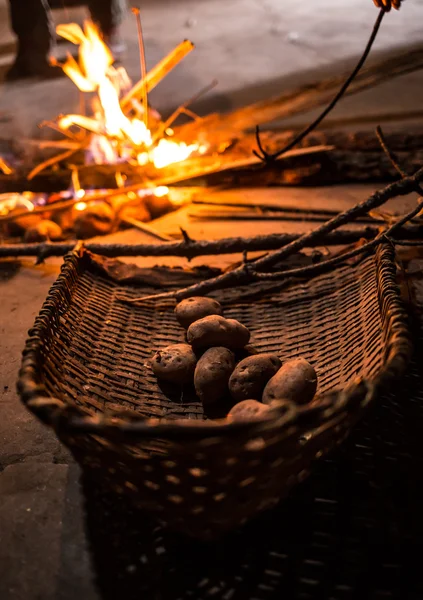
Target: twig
{"x": 55, "y": 127}
{"x": 263, "y": 155}
{"x": 51, "y": 161}
{"x": 242, "y": 275}
{"x": 299, "y": 213}
{"x": 57, "y": 158}
{"x": 5, "y": 168}
{"x": 258, "y": 214}
{"x": 136, "y": 12}
{"x": 185, "y": 235}
{"x": 61, "y": 204}
{"x": 147, "y": 229}
{"x": 392, "y": 157}
{"x": 407, "y": 242}
{"x": 388, "y": 152}
{"x": 332, "y": 262}
{"x": 183, "y": 108}
{"x": 157, "y": 73}
{"x": 61, "y": 144}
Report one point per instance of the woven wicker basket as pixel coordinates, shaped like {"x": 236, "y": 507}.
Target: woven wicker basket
{"x": 85, "y": 372}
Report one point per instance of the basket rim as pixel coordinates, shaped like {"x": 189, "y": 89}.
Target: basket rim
{"x": 330, "y": 406}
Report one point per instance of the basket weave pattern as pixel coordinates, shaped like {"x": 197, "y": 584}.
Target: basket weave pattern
{"x": 87, "y": 359}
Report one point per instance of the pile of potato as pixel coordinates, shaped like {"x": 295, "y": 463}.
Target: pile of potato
{"x": 256, "y": 383}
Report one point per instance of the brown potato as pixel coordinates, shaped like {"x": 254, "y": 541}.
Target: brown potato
{"x": 248, "y": 410}
{"x": 296, "y": 381}
{"x": 217, "y": 331}
{"x": 45, "y": 230}
{"x": 195, "y": 308}
{"x": 175, "y": 363}
{"x": 251, "y": 375}
{"x": 98, "y": 218}
{"x": 21, "y": 224}
{"x": 212, "y": 374}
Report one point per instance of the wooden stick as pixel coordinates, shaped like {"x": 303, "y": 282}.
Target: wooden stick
{"x": 333, "y": 262}
{"x": 157, "y": 73}
{"x": 42, "y": 144}
{"x": 191, "y": 248}
{"x": 136, "y": 12}
{"x": 202, "y": 166}
{"x": 147, "y": 229}
{"x": 55, "y": 127}
{"x": 271, "y": 157}
{"x": 50, "y": 161}
{"x": 257, "y": 215}
{"x": 297, "y": 213}
{"x": 61, "y": 204}
{"x": 7, "y": 170}
{"x": 183, "y": 109}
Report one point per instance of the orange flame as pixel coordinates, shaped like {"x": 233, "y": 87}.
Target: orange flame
{"x": 112, "y": 129}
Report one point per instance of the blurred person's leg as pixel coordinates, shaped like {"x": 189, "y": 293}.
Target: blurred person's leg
{"x": 30, "y": 20}
{"x": 109, "y": 15}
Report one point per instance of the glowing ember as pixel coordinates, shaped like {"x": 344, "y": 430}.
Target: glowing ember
{"x": 80, "y": 206}
{"x": 116, "y": 137}
{"x": 161, "y": 191}
{"x": 10, "y": 202}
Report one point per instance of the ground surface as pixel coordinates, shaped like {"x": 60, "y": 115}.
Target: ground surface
{"x": 254, "y": 47}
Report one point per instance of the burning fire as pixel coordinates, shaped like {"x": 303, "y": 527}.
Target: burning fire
{"x": 115, "y": 136}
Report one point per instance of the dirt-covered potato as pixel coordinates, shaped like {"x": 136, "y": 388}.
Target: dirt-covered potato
{"x": 218, "y": 331}
{"x": 45, "y": 230}
{"x": 195, "y": 308}
{"x": 212, "y": 374}
{"x": 248, "y": 410}
{"x": 296, "y": 380}
{"x": 251, "y": 375}
{"x": 175, "y": 363}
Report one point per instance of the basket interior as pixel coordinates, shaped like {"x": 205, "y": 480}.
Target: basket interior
{"x": 95, "y": 351}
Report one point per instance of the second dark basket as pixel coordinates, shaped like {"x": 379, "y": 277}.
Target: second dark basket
{"x": 86, "y": 372}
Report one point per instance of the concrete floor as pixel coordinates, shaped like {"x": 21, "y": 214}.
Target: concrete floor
{"x": 255, "y": 48}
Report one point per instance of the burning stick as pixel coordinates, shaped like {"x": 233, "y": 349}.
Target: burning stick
{"x": 60, "y": 205}
{"x": 157, "y": 73}
{"x": 136, "y": 12}
{"x": 206, "y": 166}
{"x": 183, "y": 109}
{"x": 61, "y": 144}
{"x": 50, "y": 161}
{"x": 56, "y": 127}
{"x": 5, "y": 167}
